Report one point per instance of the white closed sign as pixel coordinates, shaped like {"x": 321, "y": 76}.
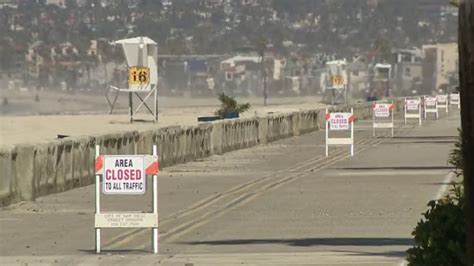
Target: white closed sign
{"x": 339, "y": 121}
{"x": 442, "y": 98}
{"x": 124, "y": 175}
{"x": 430, "y": 101}
{"x": 382, "y": 110}
{"x": 412, "y": 105}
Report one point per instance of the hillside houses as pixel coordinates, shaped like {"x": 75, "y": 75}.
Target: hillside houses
{"x": 305, "y": 36}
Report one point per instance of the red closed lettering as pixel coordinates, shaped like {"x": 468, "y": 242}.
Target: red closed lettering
{"x": 120, "y": 174}
{"x": 126, "y": 175}
{"x": 138, "y": 175}
{"x": 108, "y": 174}
{"x": 123, "y": 174}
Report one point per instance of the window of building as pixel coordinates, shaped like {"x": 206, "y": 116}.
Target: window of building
{"x": 407, "y": 71}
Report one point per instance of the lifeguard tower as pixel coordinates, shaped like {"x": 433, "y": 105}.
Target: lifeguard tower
{"x": 141, "y": 55}
{"x": 335, "y": 82}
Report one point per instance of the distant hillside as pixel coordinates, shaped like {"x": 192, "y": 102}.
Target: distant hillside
{"x": 223, "y": 26}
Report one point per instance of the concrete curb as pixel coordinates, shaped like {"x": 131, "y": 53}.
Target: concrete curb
{"x": 31, "y": 171}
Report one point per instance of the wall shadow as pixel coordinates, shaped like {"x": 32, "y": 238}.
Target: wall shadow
{"x": 395, "y": 168}
{"x": 307, "y": 242}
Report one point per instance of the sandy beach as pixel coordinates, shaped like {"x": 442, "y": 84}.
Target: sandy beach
{"x": 80, "y": 115}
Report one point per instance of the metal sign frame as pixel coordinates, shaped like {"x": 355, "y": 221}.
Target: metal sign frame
{"x": 409, "y": 115}
{"x": 443, "y": 105}
{"x": 340, "y": 141}
{"x": 383, "y": 125}
{"x": 126, "y": 219}
{"x": 430, "y": 110}
{"x": 456, "y": 102}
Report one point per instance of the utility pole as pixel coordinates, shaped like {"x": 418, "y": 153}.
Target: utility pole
{"x": 466, "y": 78}
{"x": 264, "y": 83}
{"x": 261, "y": 48}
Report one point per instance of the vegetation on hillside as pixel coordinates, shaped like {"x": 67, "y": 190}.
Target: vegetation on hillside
{"x": 200, "y": 27}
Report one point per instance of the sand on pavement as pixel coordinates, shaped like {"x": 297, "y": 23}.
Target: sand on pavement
{"x": 17, "y": 129}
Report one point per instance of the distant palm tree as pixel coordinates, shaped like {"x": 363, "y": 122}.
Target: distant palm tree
{"x": 261, "y": 46}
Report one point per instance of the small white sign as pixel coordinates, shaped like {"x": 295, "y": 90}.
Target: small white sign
{"x": 430, "y": 101}
{"x": 126, "y": 220}
{"x": 339, "y": 121}
{"x": 124, "y": 174}
{"x": 412, "y": 105}
{"x": 454, "y": 97}
{"x": 382, "y": 110}
{"x": 442, "y": 98}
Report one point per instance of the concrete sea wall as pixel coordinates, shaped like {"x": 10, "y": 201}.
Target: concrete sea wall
{"x": 31, "y": 171}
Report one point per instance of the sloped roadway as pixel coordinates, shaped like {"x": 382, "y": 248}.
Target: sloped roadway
{"x": 280, "y": 204}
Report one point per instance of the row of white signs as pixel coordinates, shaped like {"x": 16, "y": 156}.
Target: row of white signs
{"x": 440, "y": 99}
{"x": 413, "y": 104}
{"x": 341, "y": 121}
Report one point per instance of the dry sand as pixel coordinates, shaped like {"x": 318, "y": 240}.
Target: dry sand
{"x": 16, "y": 129}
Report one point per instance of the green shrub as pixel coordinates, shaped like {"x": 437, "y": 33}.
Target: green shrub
{"x": 229, "y": 104}
{"x": 440, "y": 238}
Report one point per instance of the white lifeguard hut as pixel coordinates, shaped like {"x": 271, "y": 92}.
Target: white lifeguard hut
{"x": 141, "y": 54}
